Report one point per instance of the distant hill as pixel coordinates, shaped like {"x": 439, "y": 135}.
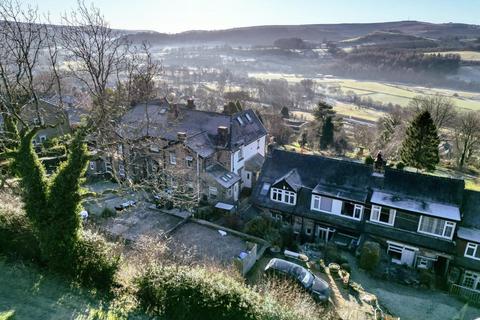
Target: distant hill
{"x": 266, "y": 35}
{"x": 385, "y": 39}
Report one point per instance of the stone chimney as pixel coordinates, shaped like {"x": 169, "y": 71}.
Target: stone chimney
{"x": 181, "y": 136}
{"x": 191, "y": 103}
{"x": 222, "y": 133}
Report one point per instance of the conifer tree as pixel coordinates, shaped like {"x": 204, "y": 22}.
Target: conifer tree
{"x": 420, "y": 147}
{"x": 326, "y": 139}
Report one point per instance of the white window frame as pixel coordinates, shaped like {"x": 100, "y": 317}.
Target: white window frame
{"x": 42, "y": 138}
{"x": 318, "y": 198}
{"x": 448, "y": 224}
{"x": 240, "y": 153}
{"x": 360, "y": 213}
{"x": 93, "y": 165}
{"x": 474, "y": 246}
{"x": 212, "y": 192}
{"x": 283, "y": 196}
{"x": 475, "y": 277}
{"x": 189, "y": 161}
{"x": 172, "y": 158}
{"x": 121, "y": 170}
{"x": 422, "y": 263}
{"x": 377, "y": 211}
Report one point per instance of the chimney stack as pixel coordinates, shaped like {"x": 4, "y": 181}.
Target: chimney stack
{"x": 191, "y": 103}
{"x": 222, "y": 133}
{"x": 181, "y": 136}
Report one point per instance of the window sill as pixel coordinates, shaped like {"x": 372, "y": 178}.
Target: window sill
{"x": 382, "y": 223}
{"x": 337, "y": 215}
{"x": 435, "y": 236}
{"x": 473, "y": 258}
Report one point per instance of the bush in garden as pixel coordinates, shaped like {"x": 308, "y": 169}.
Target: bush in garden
{"x": 95, "y": 262}
{"x": 185, "y": 293}
{"x": 369, "y": 160}
{"x": 369, "y": 255}
{"x": 17, "y": 237}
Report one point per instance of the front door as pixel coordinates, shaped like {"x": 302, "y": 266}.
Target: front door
{"x": 408, "y": 255}
{"x": 324, "y": 234}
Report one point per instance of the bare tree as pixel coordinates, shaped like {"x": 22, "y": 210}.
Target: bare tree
{"x": 96, "y": 52}
{"x": 467, "y": 136}
{"x": 440, "y": 107}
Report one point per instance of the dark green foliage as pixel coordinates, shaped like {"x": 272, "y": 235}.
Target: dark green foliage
{"x": 52, "y": 207}
{"x": 96, "y": 262}
{"x": 64, "y": 205}
{"x": 345, "y": 266}
{"x": 420, "y": 147}
{"x": 17, "y": 238}
{"x": 107, "y": 213}
{"x": 326, "y": 138}
{"x": 33, "y": 183}
{"x": 196, "y": 293}
{"x": 369, "y": 160}
{"x": 285, "y": 113}
{"x": 264, "y": 228}
{"x": 232, "y": 107}
{"x": 303, "y": 140}
{"x": 370, "y": 255}
{"x": 400, "y": 165}
{"x": 323, "y": 111}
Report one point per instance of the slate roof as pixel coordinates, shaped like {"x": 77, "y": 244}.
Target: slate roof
{"x": 162, "y": 120}
{"x": 471, "y": 234}
{"x": 222, "y": 176}
{"x": 427, "y": 187}
{"x": 311, "y": 172}
{"x": 471, "y": 209}
{"x": 408, "y": 203}
{"x": 349, "y": 180}
{"x": 255, "y": 163}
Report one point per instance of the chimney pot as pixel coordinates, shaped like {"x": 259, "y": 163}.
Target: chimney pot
{"x": 222, "y": 133}
{"x": 181, "y": 136}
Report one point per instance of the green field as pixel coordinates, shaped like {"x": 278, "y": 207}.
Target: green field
{"x": 384, "y": 92}
{"x": 464, "y": 55}
{"x": 30, "y": 294}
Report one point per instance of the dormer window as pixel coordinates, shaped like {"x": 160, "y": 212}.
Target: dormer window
{"x": 284, "y": 196}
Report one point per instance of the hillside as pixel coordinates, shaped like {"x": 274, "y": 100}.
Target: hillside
{"x": 385, "y": 39}
{"x": 266, "y": 35}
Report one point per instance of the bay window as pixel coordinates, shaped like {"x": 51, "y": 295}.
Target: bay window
{"x": 436, "y": 227}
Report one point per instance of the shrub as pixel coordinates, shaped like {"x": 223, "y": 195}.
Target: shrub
{"x": 427, "y": 278}
{"x": 345, "y": 266}
{"x": 370, "y": 255}
{"x": 95, "y": 262}
{"x": 176, "y": 292}
{"x": 233, "y": 221}
{"x": 332, "y": 254}
{"x": 108, "y": 212}
{"x": 400, "y": 165}
{"x": 369, "y": 160}
{"x": 192, "y": 293}
{"x": 17, "y": 237}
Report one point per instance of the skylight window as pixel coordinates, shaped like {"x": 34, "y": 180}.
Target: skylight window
{"x": 240, "y": 121}
{"x": 265, "y": 188}
{"x": 229, "y": 175}
{"x": 224, "y": 178}
{"x": 248, "y": 117}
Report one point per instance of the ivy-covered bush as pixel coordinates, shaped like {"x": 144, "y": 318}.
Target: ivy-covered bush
{"x": 17, "y": 238}
{"x": 96, "y": 262}
{"x": 175, "y": 293}
{"x": 370, "y": 255}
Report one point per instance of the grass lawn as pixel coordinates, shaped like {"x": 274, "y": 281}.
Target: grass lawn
{"x": 30, "y": 294}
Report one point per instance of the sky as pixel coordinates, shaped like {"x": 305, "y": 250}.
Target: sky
{"x": 173, "y": 16}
